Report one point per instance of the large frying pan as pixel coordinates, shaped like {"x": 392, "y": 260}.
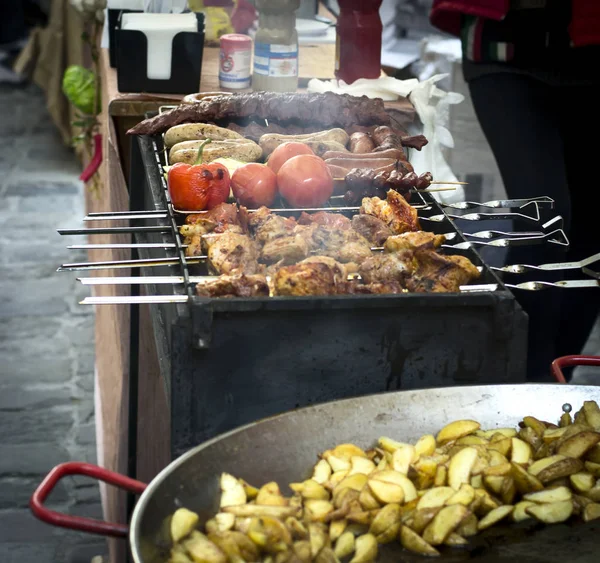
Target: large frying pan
{"x": 284, "y": 448}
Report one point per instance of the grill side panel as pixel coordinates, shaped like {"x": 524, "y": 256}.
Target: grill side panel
{"x": 265, "y": 362}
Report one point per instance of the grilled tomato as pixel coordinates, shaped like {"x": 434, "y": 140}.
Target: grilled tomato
{"x": 305, "y": 181}
{"x": 254, "y": 185}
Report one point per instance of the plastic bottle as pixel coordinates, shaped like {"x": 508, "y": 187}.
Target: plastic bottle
{"x": 358, "y": 46}
{"x": 276, "y": 47}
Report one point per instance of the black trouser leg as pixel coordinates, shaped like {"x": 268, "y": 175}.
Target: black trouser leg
{"x": 580, "y": 124}
{"x": 522, "y": 119}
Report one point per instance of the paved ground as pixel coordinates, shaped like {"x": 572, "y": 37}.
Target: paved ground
{"x": 46, "y": 338}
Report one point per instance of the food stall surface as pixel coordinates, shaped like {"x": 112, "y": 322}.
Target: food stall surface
{"x": 46, "y": 339}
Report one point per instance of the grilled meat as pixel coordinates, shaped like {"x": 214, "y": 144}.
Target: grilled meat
{"x": 414, "y": 141}
{"x": 223, "y": 217}
{"x": 344, "y": 246}
{"x": 308, "y": 278}
{"x": 267, "y": 226}
{"x": 231, "y": 253}
{"x": 437, "y": 273}
{"x": 386, "y": 138}
{"x": 285, "y": 250}
{"x": 340, "y": 271}
{"x": 327, "y": 109}
{"x": 394, "y": 211}
{"x": 355, "y": 287}
{"x": 372, "y": 228}
{"x": 234, "y": 286}
{"x": 384, "y": 267}
{"x": 417, "y": 240}
{"x": 330, "y": 220}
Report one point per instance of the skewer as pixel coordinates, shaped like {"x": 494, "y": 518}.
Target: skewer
{"x": 566, "y": 284}
{"x": 141, "y": 263}
{"x": 124, "y": 245}
{"x": 125, "y": 216}
{"x": 555, "y": 237}
{"x": 114, "y": 230}
{"x": 154, "y": 299}
{"x": 455, "y": 183}
{"x": 551, "y": 267}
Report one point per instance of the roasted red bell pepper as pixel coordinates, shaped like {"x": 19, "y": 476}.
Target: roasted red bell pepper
{"x": 194, "y": 187}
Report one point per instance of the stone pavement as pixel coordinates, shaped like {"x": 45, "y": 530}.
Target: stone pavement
{"x": 46, "y": 338}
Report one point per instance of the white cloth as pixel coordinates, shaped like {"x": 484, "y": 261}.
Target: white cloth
{"x": 433, "y": 108}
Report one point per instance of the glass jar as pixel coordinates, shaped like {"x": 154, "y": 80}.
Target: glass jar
{"x": 276, "y": 47}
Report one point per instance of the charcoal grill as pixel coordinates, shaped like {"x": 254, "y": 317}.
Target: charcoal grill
{"x": 229, "y": 362}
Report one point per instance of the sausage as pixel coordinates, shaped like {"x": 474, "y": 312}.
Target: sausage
{"x": 381, "y": 133}
{"x": 371, "y": 163}
{"x": 424, "y": 181}
{"x": 361, "y": 143}
{"x": 408, "y": 181}
{"x": 386, "y": 138}
{"x": 337, "y": 171}
{"x": 390, "y": 153}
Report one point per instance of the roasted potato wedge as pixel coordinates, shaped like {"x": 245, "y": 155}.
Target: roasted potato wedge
{"x": 456, "y": 430}
{"x": 414, "y": 542}
{"x": 444, "y": 523}
{"x": 591, "y": 512}
{"x": 553, "y": 512}
{"x": 435, "y": 497}
{"x": 577, "y": 445}
{"x": 494, "y": 516}
{"x": 183, "y": 522}
{"x": 365, "y": 549}
{"x": 345, "y": 545}
{"x": 461, "y": 465}
{"x": 202, "y": 550}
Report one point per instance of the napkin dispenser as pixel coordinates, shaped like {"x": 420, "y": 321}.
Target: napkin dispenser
{"x": 159, "y": 53}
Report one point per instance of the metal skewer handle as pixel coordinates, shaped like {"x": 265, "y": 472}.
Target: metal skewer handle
{"x": 542, "y": 201}
{"x": 555, "y": 237}
{"x": 566, "y": 284}
{"x": 557, "y": 266}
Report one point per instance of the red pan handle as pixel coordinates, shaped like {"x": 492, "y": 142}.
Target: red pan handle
{"x": 569, "y": 361}
{"x": 88, "y": 525}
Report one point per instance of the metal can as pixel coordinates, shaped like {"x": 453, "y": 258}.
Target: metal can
{"x": 235, "y": 61}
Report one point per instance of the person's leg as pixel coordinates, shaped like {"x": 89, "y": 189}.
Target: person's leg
{"x": 518, "y": 115}
{"x": 580, "y": 125}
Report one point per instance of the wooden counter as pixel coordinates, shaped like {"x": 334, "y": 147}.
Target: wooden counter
{"x": 120, "y": 112}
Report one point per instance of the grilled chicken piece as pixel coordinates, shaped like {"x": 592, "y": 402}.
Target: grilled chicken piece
{"x": 344, "y": 246}
{"x": 234, "y": 286}
{"x": 224, "y": 217}
{"x": 331, "y": 220}
{"x": 306, "y": 278}
{"x": 231, "y": 253}
{"x": 285, "y": 250}
{"x": 267, "y": 226}
{"x": 355, "y": 287}
{"x": 340, "y": 271}
{"x": 372, "y": 228}
{"x": 437, "y": 273}
{"x": 221, "y": 216}
{"x": 386, "y": 267}
{"x": 394, "y": 211}
{"x": 419, "y": 240}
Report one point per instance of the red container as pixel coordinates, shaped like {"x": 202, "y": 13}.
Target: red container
{"x": 358, "y": 47}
